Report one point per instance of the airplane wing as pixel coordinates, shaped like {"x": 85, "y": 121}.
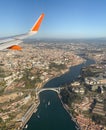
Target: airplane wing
{"x": 12, "y": 43}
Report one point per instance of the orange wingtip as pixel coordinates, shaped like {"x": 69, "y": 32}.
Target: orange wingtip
{"x": 15, "y": 47}
{"x": 37, "y": 24}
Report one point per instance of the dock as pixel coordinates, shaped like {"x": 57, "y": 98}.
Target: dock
{"x": 28, "y": 115}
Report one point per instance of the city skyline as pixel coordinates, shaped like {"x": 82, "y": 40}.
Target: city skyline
{"x": 63, "y": 19}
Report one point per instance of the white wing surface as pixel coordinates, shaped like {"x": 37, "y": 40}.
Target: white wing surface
{"x": 12, "y": 43}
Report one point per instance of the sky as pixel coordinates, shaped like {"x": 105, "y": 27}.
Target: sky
{"x": 63, "y": 18}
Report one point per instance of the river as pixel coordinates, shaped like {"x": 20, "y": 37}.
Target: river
{"x": 51, "y": 114}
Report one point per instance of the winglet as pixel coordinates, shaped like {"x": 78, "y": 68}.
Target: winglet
{"x": 36, "y": 26}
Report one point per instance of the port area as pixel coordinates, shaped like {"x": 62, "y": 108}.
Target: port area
{"x": 28, "y": 115}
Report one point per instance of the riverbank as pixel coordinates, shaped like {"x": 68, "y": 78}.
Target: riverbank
{"x": 64, "y": 72}
{"x": 28, "y": 115}
{"x": 68, "y": 111}
{"x": 83, "y": 119}
{"x": 72, "y": 74}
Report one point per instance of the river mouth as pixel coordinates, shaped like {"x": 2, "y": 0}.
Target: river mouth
{"x": 50, "y": 114}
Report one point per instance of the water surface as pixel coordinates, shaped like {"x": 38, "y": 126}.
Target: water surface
{"x": 50, "y": 114}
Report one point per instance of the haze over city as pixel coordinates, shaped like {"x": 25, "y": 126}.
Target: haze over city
{"x": 63, "y": 19}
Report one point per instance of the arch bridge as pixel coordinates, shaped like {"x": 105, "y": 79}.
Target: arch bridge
{"x": 52, "y": 89}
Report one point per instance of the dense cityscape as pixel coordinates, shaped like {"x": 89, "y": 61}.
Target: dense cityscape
{"x": 24, "y": 73}
{"x": 55, "y": 80}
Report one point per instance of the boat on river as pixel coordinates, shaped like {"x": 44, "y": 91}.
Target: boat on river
{"x": 38, "y": 116}
{"x": 48, "y": 103}
{"x": 26, "y": 126}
